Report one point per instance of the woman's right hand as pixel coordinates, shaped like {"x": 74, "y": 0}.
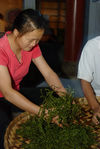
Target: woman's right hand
{"x": 54, "y": 119}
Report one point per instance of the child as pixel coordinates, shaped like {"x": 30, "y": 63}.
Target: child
{"x": 89, "y": 74}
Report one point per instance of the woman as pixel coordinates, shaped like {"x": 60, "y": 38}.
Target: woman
{"x": 17, "y": 49}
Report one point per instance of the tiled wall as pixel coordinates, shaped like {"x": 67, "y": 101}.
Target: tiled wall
{"x": 55, "y": 12}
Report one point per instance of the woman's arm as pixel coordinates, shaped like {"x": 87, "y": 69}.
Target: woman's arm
{"x": 14, "y": 96}
{"x": 49, "y": 75}
{"x": 90, "y": 96}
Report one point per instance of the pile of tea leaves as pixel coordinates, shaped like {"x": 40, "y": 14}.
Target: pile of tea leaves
{"x": 39, "y": 132}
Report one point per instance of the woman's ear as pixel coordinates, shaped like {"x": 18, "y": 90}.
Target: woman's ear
{"x": 16, "y": 33}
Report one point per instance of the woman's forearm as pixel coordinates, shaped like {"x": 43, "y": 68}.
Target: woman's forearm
{"x": 21, "y": 101}
{"x": 89, "y": 94}
{"x": 49, "y": 75}
{"x": 55, "y": 83}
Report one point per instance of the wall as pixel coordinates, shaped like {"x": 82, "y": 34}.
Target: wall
{"x": 29, "y": 4}
{"x": 94, "y": 19}
{"x": 6, "y": 5}
{"x": 55, "y": 11}
{"x": 9, "y": 7}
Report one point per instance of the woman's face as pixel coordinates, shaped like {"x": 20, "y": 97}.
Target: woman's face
{"x": 29, "y": 39}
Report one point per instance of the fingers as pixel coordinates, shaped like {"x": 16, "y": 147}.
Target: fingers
{"x": 55, "y": 120}
{"x": 95, "y": 118}
{"x": 73, "y": 102}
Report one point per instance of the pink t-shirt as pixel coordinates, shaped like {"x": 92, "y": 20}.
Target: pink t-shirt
{"x": 17, "y": 70}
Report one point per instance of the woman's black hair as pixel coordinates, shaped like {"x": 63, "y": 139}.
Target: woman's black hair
{"x": 29, "y": 20}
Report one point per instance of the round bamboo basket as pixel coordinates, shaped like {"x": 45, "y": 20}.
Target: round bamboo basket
{"x": 10, "y": 140}
{"x": 13, "y": 142}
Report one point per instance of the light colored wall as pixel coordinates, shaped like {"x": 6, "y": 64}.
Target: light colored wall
{"x": 29, "y": 4}
{"x": 94, "y": 19}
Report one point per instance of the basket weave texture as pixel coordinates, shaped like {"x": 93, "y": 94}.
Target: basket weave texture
{"x": 10, "y": 139}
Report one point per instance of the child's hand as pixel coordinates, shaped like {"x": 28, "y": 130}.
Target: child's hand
{"x": 96, "y": 116}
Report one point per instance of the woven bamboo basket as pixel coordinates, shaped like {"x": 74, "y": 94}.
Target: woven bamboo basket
{"x": 12, "y": 142}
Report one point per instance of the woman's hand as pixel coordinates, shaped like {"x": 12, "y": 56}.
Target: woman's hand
{"x": 54, "y": 119}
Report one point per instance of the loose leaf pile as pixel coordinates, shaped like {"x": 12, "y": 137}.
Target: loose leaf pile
{"x": 40, "y": 133}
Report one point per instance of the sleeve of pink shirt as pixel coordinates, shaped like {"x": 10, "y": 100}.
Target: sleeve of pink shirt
{"x": 36, "y": 52}
{"x": 3, "y": 58}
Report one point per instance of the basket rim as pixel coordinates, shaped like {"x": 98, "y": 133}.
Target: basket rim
{"x": 14, "y": 122}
